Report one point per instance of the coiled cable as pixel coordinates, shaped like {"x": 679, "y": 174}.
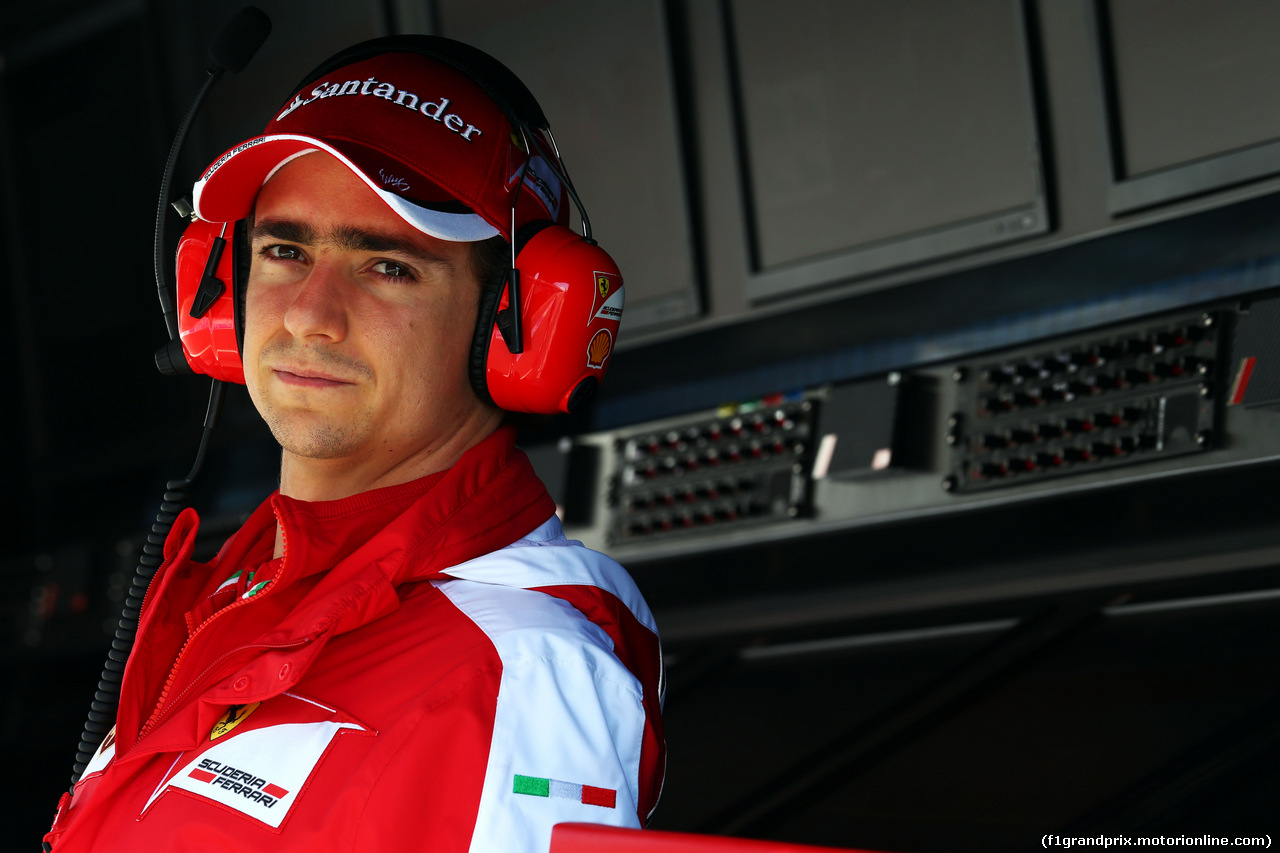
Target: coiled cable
{"x": 102, "y": 711}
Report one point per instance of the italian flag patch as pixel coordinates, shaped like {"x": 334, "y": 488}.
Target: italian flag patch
{"x": 588, "y": 795}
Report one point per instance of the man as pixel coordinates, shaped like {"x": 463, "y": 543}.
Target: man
{"x": 399, "y": 649}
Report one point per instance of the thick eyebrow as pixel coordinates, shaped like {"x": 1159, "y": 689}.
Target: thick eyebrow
{"x": 285, "y": 230}
{"x": 344, "y": 237}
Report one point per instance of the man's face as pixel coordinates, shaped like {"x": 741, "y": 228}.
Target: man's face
{"x": 357, "y": 325}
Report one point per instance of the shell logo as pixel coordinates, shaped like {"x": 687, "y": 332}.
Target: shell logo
{"x": 599, "y": 348}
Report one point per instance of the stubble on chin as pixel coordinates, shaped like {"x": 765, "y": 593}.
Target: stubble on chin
{"x": 310, "y": 435}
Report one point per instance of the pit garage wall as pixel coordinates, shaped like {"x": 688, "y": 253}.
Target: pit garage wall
{"x": 927, "y": 489}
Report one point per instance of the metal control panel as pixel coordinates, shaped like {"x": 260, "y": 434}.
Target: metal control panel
{"x": 1088, "y": 402}
{"x": 1138, "y": 401}
{"x": 743, "y": 464}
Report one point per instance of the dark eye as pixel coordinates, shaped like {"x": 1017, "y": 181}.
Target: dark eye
{"x": 282, "y": 252}
{"x": 393, "y": 269}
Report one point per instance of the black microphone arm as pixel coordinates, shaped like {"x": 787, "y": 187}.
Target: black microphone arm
{"x": 231, "y": 50}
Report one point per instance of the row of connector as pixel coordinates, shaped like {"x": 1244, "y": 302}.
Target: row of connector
{"x": 756, "y": 429}
{"x": 1075, "y": 424}
{"x": 1061, "y": 369}
{"x": 1093, "y": 384}
{"x": 709, "y": 490}
{"x": 1058, "y": 458}
{"x": 691, "y": 518}
{"x": 672, "y": 465}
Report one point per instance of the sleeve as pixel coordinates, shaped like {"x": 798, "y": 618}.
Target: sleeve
{"x": 567, "y": 728}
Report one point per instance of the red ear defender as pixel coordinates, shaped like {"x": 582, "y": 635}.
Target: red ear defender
{"x": 206, "y": 301}
{"x": 571, "y": 299}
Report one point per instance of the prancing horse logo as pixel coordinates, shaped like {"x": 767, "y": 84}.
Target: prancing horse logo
{"x": 235, "y": 715}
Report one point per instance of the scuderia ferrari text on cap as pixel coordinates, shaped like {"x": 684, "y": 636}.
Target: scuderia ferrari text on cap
{"x": 424, "y": 136}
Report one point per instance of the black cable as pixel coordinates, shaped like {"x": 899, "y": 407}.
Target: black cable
{"x": 232, "y": 48}
{"x": 102, "y": 712}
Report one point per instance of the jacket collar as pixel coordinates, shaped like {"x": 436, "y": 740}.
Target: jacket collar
{"x": 343, "y": 561}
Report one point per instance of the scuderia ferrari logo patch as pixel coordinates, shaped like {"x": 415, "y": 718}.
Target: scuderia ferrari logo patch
{"x": 238, "y": 781}
{"x": 259, "y": 757}
{"x": 608, "y": 299}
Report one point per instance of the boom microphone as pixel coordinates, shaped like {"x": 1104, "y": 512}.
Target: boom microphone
{"x": 234, "y": 46}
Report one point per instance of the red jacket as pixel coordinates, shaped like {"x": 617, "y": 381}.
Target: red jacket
{"x": 421, "y": 671}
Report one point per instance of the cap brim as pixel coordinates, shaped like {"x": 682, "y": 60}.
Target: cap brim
{"x": 229, "y": 187}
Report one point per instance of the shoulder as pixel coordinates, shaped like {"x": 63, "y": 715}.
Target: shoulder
{"x": 548, "y": 562}
{"x": 532, "y": 632}
{"x": 545, "y": 597}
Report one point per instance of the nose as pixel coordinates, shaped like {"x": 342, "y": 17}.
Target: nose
{"x": 318, "y": 308}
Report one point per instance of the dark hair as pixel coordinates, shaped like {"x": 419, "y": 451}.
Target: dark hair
{"x": 490, "y": 260}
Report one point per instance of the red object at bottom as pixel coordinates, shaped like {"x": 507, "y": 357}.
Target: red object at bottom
{"x": 593, "y": 838}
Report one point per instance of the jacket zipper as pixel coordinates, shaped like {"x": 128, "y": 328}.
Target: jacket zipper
{"x": 163, "y": 711}
{"x": 159, "y": 716}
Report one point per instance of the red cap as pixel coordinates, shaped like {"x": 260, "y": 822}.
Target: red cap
{"x": 424, "y": 136}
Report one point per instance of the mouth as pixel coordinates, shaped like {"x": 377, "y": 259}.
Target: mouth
{"x": 307, "y": 377}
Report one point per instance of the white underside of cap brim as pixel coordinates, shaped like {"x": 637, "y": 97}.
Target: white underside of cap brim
{"x": 228, "y": 189}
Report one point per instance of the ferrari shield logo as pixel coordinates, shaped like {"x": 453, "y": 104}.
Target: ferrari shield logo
{"x": 607, "y": 297}
{"x": 235, "y": 715}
